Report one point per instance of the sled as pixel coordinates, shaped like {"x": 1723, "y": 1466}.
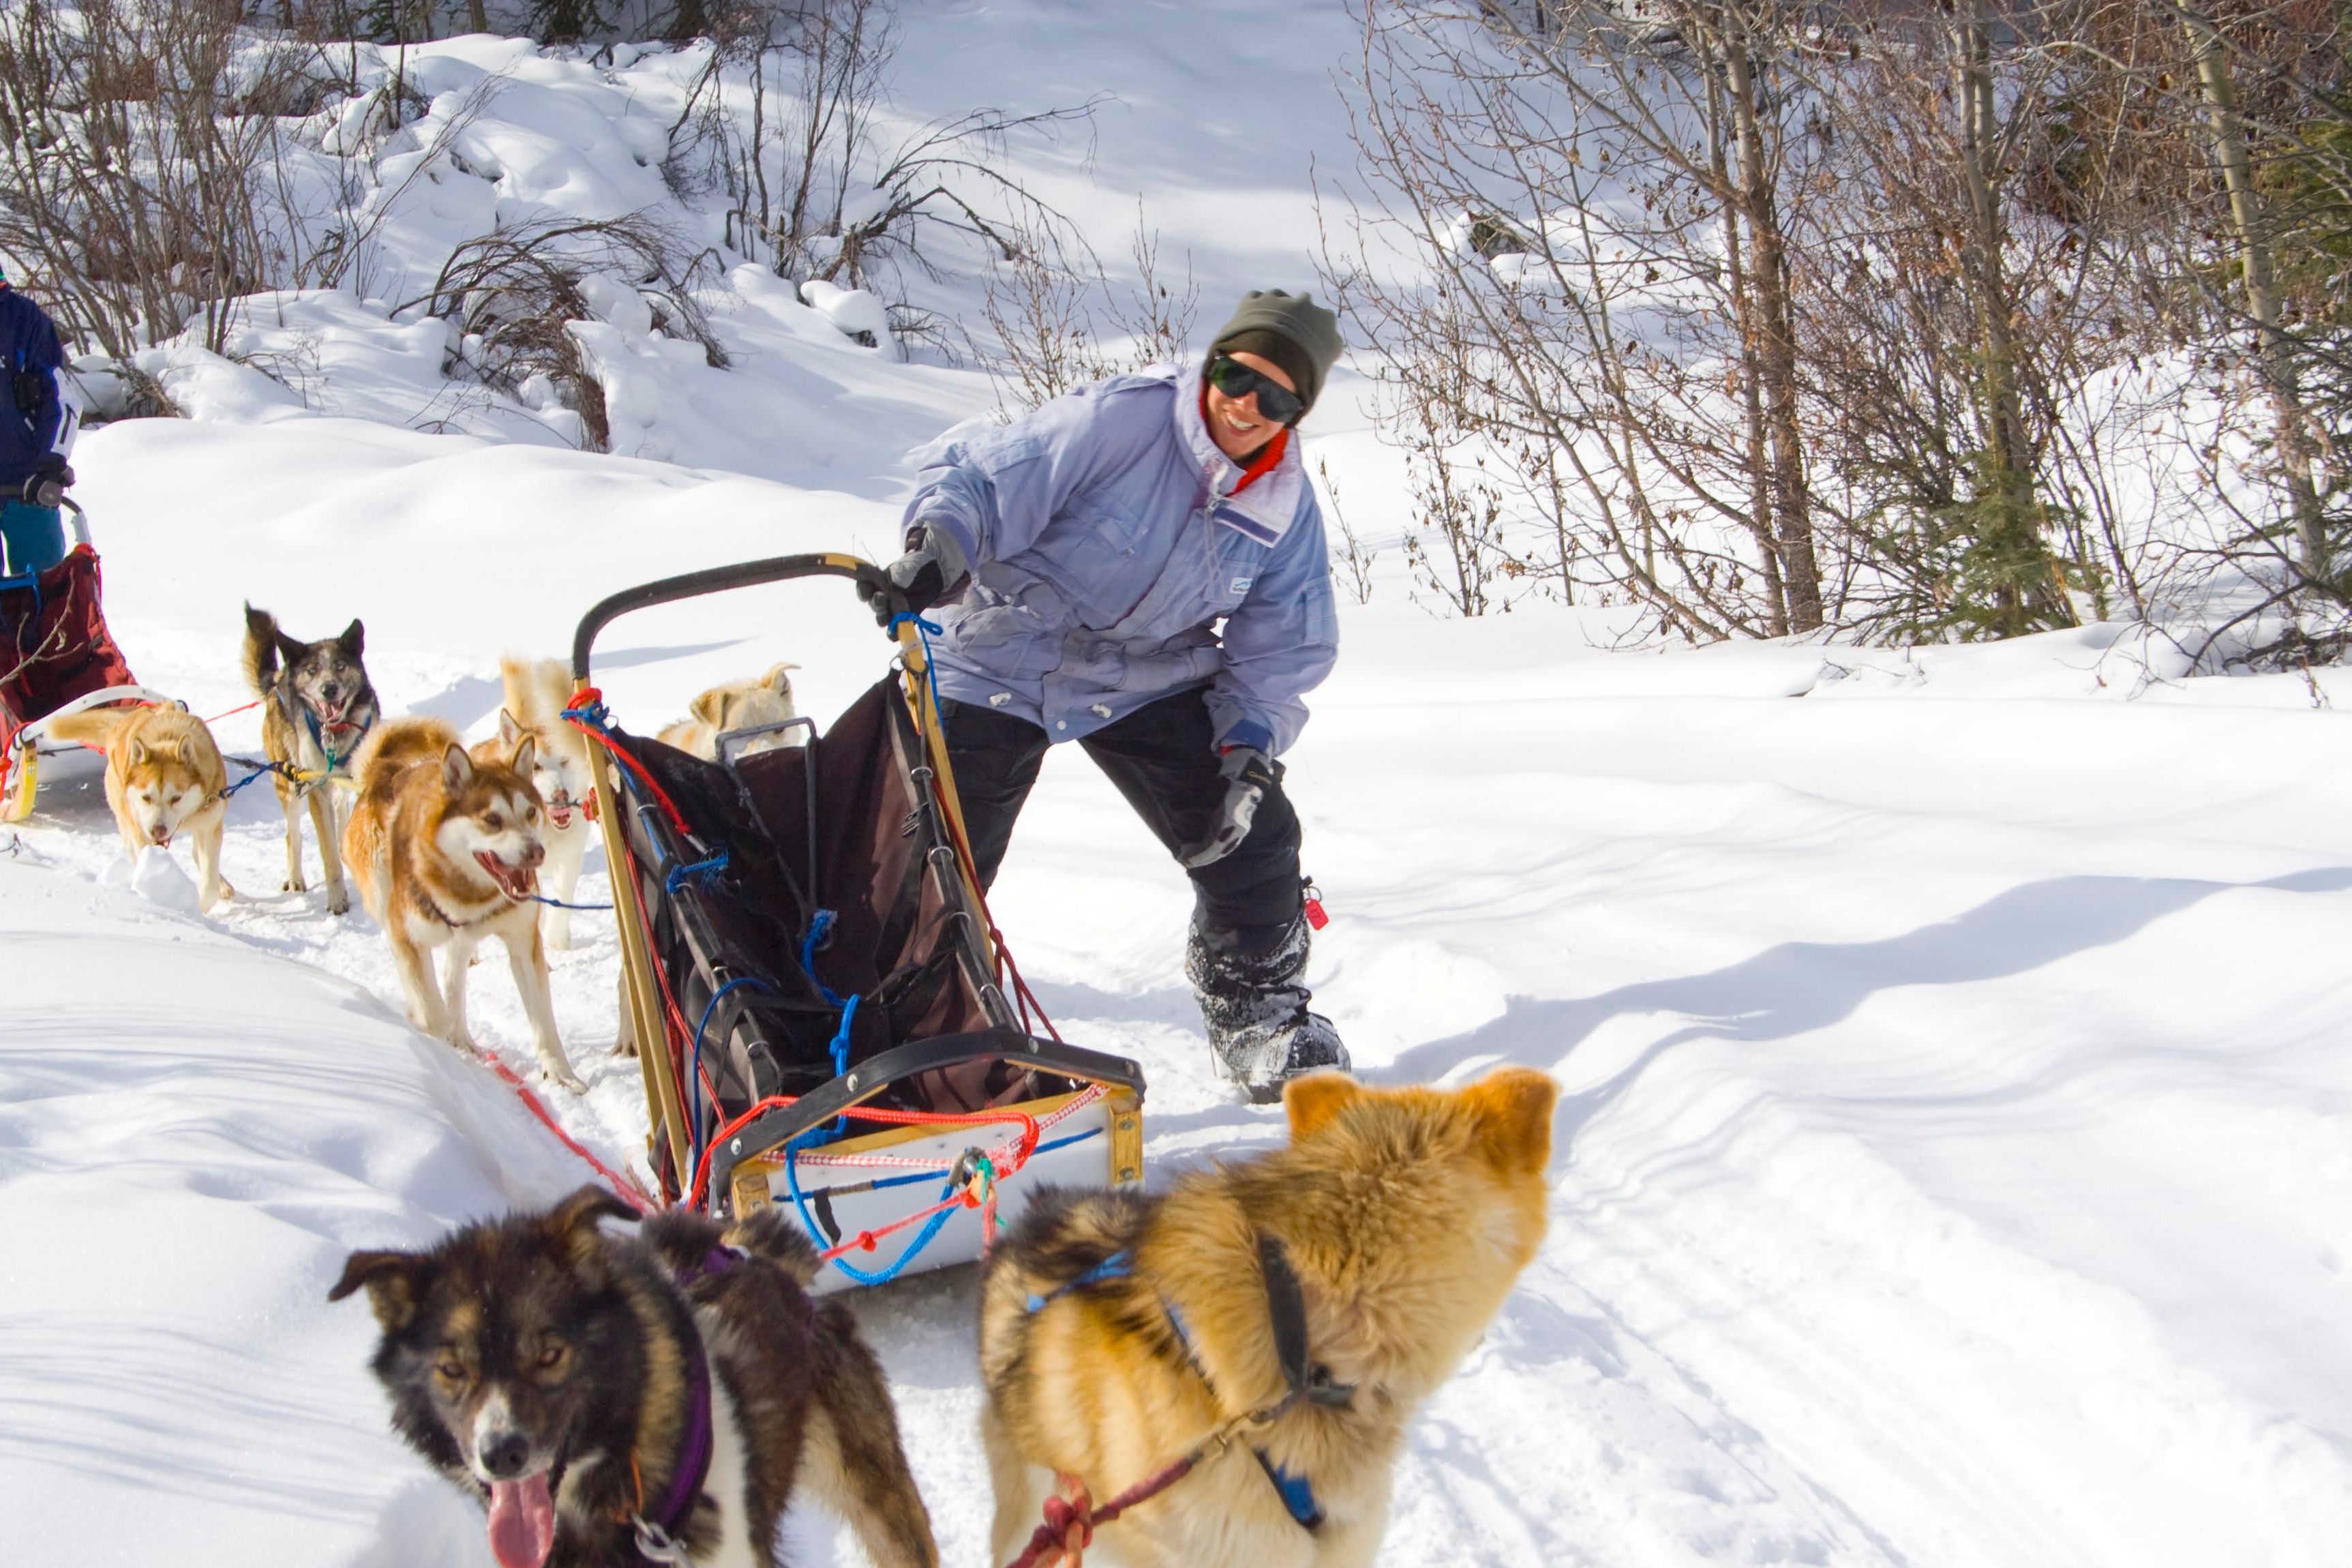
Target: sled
{"x": 57, "y": 657}
{"x": 826, "y": 1019}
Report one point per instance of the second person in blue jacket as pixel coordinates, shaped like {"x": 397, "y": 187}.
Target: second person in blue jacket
{"x": 1139, "y": 567}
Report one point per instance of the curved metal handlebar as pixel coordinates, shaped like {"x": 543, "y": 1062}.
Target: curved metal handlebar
{"x": 717, "y": 579}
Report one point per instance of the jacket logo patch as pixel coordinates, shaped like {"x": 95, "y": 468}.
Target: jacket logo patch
{"x": 1239, "y": 585}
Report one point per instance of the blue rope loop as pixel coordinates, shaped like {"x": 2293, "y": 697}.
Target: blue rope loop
{"x": 591, "y": 713}
{"x": 694, "y": 1066}
{"x": 256, "y": 773}
{"x": 897, "y": 1266}
{"x": 706, "y": 871}
{"x": 820, "y": 932}
{"x": 925, "y": 630}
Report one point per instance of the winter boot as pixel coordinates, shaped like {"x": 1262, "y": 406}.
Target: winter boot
{"x": 1255, "y": 1009}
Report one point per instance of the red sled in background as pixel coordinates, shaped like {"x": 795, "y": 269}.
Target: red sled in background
{"x": 55, "y": 658}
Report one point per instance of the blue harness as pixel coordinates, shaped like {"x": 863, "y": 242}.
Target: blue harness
{"x": 1287, "y": 1307}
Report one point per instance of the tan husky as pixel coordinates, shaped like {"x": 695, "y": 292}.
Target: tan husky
{"x": 165, "y": 778}
{"x": 1327, "y": 1288}
{"x": 537, "y": 692}
{"x": 445, "y": 847}
{"x": 737, "y": 705}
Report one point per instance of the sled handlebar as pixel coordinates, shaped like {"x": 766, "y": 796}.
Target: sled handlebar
{"x": 870, "y": 578}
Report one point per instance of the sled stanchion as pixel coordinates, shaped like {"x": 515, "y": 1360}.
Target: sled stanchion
{"x": 636, "y": 965}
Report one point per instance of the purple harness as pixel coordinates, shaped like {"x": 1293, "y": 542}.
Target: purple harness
{"x": 660, "y": 1527}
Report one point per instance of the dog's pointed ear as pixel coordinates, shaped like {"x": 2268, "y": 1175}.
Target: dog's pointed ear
{"x": 509, "y": 731}
{"x": 395, "y": 1284}
{"x": 571, "y": 1225}
{"x": 1312, "y": 1101}
{"x": 136, "y": 752}
{"x": 457, "y": 767}
{"x": 711, "y": 707}
{"x": 526, "y": 756}
{"x": 1513, "y": 1107}
{"x": 354, "y": 639}
{"x": 779, "y": 681}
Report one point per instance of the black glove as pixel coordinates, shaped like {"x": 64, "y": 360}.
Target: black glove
{"x": 932, "y": 568}
{"x": 49, "y": 482}
{"x": 1248, "y": 773}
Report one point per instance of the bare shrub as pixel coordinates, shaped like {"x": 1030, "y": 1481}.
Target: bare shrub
{"x": 1059, "y": 323}
{"x": 514, "y": 293}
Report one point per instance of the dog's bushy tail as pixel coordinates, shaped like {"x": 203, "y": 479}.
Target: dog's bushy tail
{"x": 770, "y": 1236}
{"x": 260, "y": 651}
{"x": 95, "y": 727}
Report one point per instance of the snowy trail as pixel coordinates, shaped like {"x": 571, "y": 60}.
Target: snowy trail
{"x": 1954, "y": 1163}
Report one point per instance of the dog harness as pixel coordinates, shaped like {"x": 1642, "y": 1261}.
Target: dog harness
{"x": 321, "y": 730}
{"x": 1305, "y": 1378}
{"x": 659, "y": 1527}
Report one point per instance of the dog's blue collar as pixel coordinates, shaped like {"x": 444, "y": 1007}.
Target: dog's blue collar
{"x": 319, "y": 738}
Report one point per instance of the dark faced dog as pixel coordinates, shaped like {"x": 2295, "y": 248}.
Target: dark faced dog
{"x": 618, "y": 1401}
{"x": 316, "y": 706}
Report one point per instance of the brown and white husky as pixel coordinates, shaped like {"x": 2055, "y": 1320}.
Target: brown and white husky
{"x": 445, "y": 846}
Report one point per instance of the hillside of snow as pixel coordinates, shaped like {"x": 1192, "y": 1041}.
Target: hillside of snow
{"x": 1955, "y": 1169}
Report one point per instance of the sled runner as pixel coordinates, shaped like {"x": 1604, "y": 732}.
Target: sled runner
{"x": 826, "y": 1019}
{"x": 55, "y": 658}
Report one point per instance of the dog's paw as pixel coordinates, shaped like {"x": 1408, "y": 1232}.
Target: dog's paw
{"x": 339, "y": 904}
{"x": 293, "y": 885}
{"x": 563, "y": 1076}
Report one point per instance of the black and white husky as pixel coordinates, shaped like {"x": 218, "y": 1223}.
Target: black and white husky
{"x": 318, "y": 705}
{"x": 653, "y": 1398}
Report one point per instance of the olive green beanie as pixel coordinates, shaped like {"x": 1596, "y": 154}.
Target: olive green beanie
{"x": 1291, "y": 330}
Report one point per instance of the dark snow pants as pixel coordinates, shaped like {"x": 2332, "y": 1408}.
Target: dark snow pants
{"x": 1161, "y": 758}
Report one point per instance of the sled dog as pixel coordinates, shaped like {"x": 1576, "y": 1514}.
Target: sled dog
{"x": 737, "y": 705}
{"x": 1336, "y": 1283}
{"x": 164, "y": 779}
{"x": 316, "y": 705}
{"x": 445, "y": 846}
{"x": 537, "y": 690}
{"x": 601, "y": 1396}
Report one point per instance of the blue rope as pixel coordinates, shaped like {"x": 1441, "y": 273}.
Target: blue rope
{"x": 879, "y": 1183}
{"x": 559, "y": 904}
{"x": 1118, "y": 1266}
{"x": 931, "y": 1226}
{"x": 593, "y": 715}
{"x": 819, "y": 930}
{"x": 256, "y": 774}
{"x": 924, "y": 630}
{"x": 705, "y": 869}
{"x": 694, "y": 1069}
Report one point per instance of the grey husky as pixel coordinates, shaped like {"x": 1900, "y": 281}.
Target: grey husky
{"x": 316, "y": 706}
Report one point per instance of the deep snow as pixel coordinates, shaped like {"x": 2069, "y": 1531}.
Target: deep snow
{"x": 1955, "y": 1167}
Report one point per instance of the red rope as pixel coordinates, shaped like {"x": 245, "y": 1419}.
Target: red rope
{"x": 1067, "y": 1516}
{"x": 589, "y": 694}
{"x": 624, "y": 1185}
{"x": 1022, "y": 1150}
{"x": 235, "y": 712}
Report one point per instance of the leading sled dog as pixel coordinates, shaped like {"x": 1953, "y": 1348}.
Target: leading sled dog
{"x": 603, "y": 1396}
{"x": 537, "y": 690}
{"x": 446, "y": 845}
{"x": 316, "y": 706}
{"x": 164, "y": 779}
{"x": 1336, "y": 1282}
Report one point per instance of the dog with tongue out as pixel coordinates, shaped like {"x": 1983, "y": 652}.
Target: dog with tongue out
{"x": 620, "y": 1401}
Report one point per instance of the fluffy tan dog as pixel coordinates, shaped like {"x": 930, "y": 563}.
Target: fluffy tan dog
{"x": 445, "y": 847}
{"x": 1342, "y": 1280}
{"x": 537, "y": 692}
{"x": 737, "y": 705}
{"x": 163, "y": 778}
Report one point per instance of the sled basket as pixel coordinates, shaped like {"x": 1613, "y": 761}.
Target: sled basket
{"x": 55, "y": 658}
{"x": 824, "y": 1014}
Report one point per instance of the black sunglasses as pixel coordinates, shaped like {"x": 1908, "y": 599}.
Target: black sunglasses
{"x": 1276, "y": 401}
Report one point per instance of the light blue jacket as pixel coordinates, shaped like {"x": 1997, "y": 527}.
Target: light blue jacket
{"x": 1106, "y": 543}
